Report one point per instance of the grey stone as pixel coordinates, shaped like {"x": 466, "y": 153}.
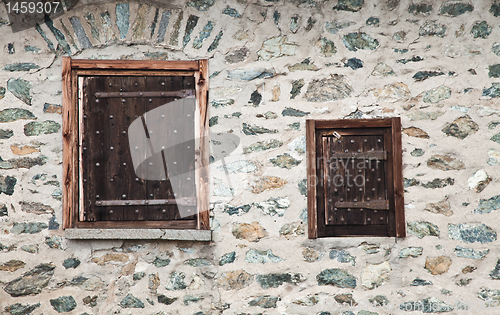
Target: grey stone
{"x": 239, "y": 167}
{"x": 21, "y": 66}
{"x": 495, "y": 273}
{"x": 494, "y": 71}
{"x": 342, "y": 256}
{"x": 330, "y": 89}
{"x": 31, "y": 282}
{"x": 421, "y": 229}
{"x": 337, "y": 277}
{"x": 470, "y": 252}
{"x": 176, "y": 281}
{"x": 439, "y": 183}
{"x": 3, "y": 210}
{"x": 304, "y": 65}
{"x": 428, "y": 305}
{"x": 359, "y": 40}
{"x": 13, "y": 114}
{"x": 174, "y": 37}
{"x": 493, "y": 124}
{"x": 495, "y": 48}
{"x": 400, "y": 37}
{"x": 310, "y": 23}
{"x": 294, "y": 112}
{"x": 58, "y": 35}
{"x": 410, "y": 251}
{"x": 63, "y": 304}
{"x": 222, "y": 103}
{"x": 432, "y": 28}
{"x": 369, "y": 248}
{"x": 255, "y": 98}
{"x": 204, "y": 34}
{"x": 237, "y": 210}
{"x": 71, "y": 263}
{"x": 325, "y": 47}
{"x": 420, "y": 282}
{"x": 349, "y": 5}
{"x": 7, "y": 184}
{"x": 90, "y": 300}
{"x": 294, "y": 126}
{"x": 382, "y": 70}
{"x": 216, "y": 41}
{"x": 28, "y": 227}
{"x": 249, "y": 74}
{"x": 276, "y": 47}
{"x": 492, "y": 297}
{"x": 454, "y": 9}
{"x": 265, "y": 301}
{"x": 33, "y": 249}
{"x": 189, "y": 299}
{"x": 353, "y": 63}
{"x": 302, "y": 187}
{"x": 21, "y": 89}
{"x": 234, "y": 280}
{"x": 161, "y": 262}
{"x": 213, "y": 121}
{"x": 122, "y": 19}
{"x": 227, "y": 258}
{"x": 190, "y": 25}
{"x": 162, "y": 27}
{"x": 471, "y": 233}
{"x": 493, "y": 91}
{"x": 201, "y": 5}
{"x": 134, "y": 234}
{"x": 274, "y": 280}
{"x": 52, "y": 108}
{"x": 481, "y": 30}
{"x": 373, "y": 21}
{"x": 276, "y": 18}
{"x": 20, "y": 309}
{"x": 488, "y": 205}
{"x": 495, "y": 9}
{"x": 57, "y": 194}
{"x": 231, "y": 12}
{"x": 90, "y": 18}
{"x": 461, "y": 127}
{"x": 290, "y": 230}
{"x": 254, "y": 130}
{"x": 267, "y": 115}
{"x": 261, "y": 256}
{"x": 436, "y": 95}
{"x": 417, "y": 152}
{"x": 445, "y": 163}
{"x": 294, "y": 24}
{"x": 379, "y": 300}
{"x": 420, "y": 8}
{"x": 24, "y": 162}
{"x": 297, "y": 85}
{"x": 2, "y": 92}
{"x": 44, "y": 36}
{"x": 422, "y": 75}
{"x": 131, "y": 301}
{"x": 37, "y": 128}
{"x": 285, "y": 161}
{"x": 53, "y": 242}
{"x": 197, "y": 262}
{"x": 166, "y": 300}
{"x": 240, "y": 55}
{"x": 35, "y": 207}
{"x": 335, "y": 26}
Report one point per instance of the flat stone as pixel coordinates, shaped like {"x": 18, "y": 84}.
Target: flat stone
{"x": 493, "y": 157}
{"x": 392, "y": 92}
{"x": 6, "y": 134}
{"x": 421, "y": 229}
{"x": 304, "y": 65}
{"x": 239, "y": 167}
{"x": 24, "y": 150}
{"x": 7, "y": 184}
{"x": 190, "y": 25}
{"x": 309, "y": 300}
{"x": 302, "y": 185}
{"x": 439, "y": 183}
{"x": 468, "y": 269}
{"x": 359, "y": 40}
{"x": 276, "y": 18}
{"x": 222, "y": 103}
{"x": 375, "y": 275}
{"x": 162, "y": 27}
{"x": 36, "y": 128}
{"x": 268, "y": 183}
{"x": 31, "y": 282}
{"x": 478, "y": 182}
{"x": 496, "y": 138}
{"x": 203, "y": 35}
{"x": 251, "y": 232}
{"x": 428, "y": 305}
{"x": 400, "y": 37}
{"x": 213, "y": 121}
{"x": 20, "y": 309}
{"x": 461, "y": 127}
{"x": 140, "y": 22}
{"x": 436, "y": 95}
{"x": 421, "y": 115}
{"x": 471, "y": 233}
{"x": 231, "y": 12}
{"x": 493, "y": 91}
{"x": 250, "y": 74}
{"x": 420, "y": 282}
{"x": 470, "y": 252}
{"x": 71, "y": 263}
{"x": 261, "y": 257}
{"x": 274, "y": 280}
{"x": 441, "y": 207}
{"x": 491, "y": 297}
{"x": 111, "y": 257}
{"x": 35, "y": 207}
{"x": 379, "y": 300}
{"x": 80, "y": 32}
{"x": 495, "y": 273}
{"x": 481, "y": 30}
{"x": 445, "y": 163}
{"x": 49, "y": 43}
{"x": 373, "y": 21}
{"x": 334, "y": 26}
{"x": 294, "y": 112}
{"x": 336, "y": 277}
{"x": 297, "y": 85}
{"x": 94, "y": 30}
{"x": 176, "y": 281}
{"x": 255, "y": 130}
{"x": 369, "y": 248}
{"x": 488, "y": 205}
{"x": 345, "y": 299}
{"x": 255, "y": 98}
{"x": 432, "y": 28}
{"x": 454, "y": 9}
{"x": 21, "y": 89}
{"x": 234, "y": 280}
{"x": 423, "y": 75}
{"x": 437, "y": 265}
{"x": 238, "y": 55}
{"x": 12, "y": 265}
{"x": 410, "y": 251}
{"x": 28, "y": 227}
{"x": 161, "y": 262}
{"x": 237, "y": 210}
{"x": 294, "y": 24}
{"x": 353, "y": 63}
{"x": 53, "y": 242}
{"x": 310, "y": 254}
{"x": 285, "y": 161}
{"x": 325, "y": 47}
{"x": 24, "y": 162}
{"x": 329, "y": 89}
{"x": 2, "y": 92}
{"x": 3, "y": 210}
{"x": 420, "y": 9}
{"x": 63, "y": 304}
{"x": 293, "y": 229}
{"x": 215, "y": 42}
{"x": 342, "y": 256}
{"x": 268, "y": 115}
{"x": 241, "y": 35}
{"x": 33, "y": 249}
{"x": 198, "y": 262}
{"x": 349, "y": 5}
{"x": 58, "y": 35}
{"x": 190, "y": 299}
{"x": 174, "y": 36}
{"x": 382, "y": 70}
{"x": 416, "y": 132}
{"x": 412, "y": 59}
{"x": 166, "y": 300}
{"x": 276, "y": 47}
{"x": 21, "y": 66}
{"x": 122, "y": 19}
{"x": 265, "y": 301}
{"x": 131, "y": 301}
{"x": 294, "y": 126}
{"x": 201, "y": 5}
{"x": 227, "y": 258}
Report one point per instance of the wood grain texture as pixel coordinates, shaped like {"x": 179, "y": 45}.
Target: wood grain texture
{"x": 134, "y": 64}
{"x": 131, "y": 73}
{"x": 398, "y": 177}
{"x": 174, "y": 224}
{"x": 69, "y": 145}
{"x": 312, "y": 180}
{"x": 353, "y": 123}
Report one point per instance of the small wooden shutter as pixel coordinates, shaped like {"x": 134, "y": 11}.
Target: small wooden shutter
{"x": 355, "y": 180}
{"x": 111, "y": 190}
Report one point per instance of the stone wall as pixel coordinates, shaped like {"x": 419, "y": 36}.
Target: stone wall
{"x": 273, "y": 64}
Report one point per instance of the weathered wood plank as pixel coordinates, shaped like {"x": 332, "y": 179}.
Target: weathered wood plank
{"x": 134, "y": 64}
{"x": 312, "y": 181}
{"x": 398, "y": 177}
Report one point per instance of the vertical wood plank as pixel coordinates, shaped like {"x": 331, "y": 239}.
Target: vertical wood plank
{"x": 337, "y": 176}
{"x": 389, "y": 179}
{"x": 201, "y": 80}
{"x": 398, "y": 177}
{"x": 311, "y": 179}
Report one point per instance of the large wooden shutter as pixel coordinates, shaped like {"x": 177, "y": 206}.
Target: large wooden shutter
{"x": 357, "y": 180}
{"x": 111, "y": 190}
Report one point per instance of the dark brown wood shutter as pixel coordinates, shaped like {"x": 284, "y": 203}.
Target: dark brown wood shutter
{"x": 357, "y": 189}
{"x": 111, "y": 189}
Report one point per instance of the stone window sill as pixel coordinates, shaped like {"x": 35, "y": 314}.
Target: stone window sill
{"x": 139, "y": 234}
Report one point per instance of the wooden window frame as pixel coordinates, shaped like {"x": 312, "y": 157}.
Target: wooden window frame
{"x": 397, "y": 200}
{"x": 71, "y": 70}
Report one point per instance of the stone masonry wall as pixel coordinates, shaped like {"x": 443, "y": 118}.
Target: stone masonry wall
{"x": 273, "y": 64}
